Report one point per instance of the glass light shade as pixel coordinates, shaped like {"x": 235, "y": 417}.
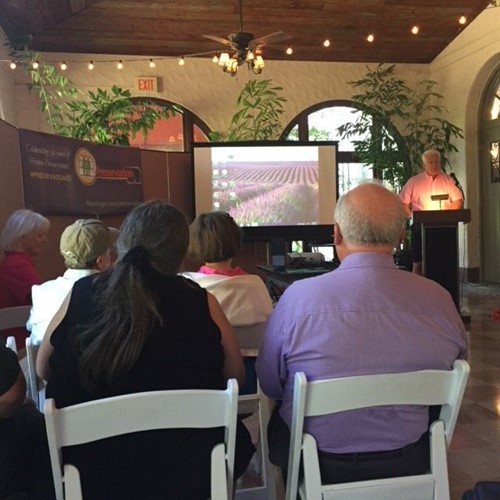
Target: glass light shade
{"x": 224, "y": 59}
{"x": 259, "y": 62}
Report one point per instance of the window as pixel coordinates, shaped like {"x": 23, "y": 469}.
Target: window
{"x": 320, "y": 123}
{"x": 176, "y": 133}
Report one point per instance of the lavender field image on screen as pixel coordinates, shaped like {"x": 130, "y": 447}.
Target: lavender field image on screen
{"x": 267, "y": 193}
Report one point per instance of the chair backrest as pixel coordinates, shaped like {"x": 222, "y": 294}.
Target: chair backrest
{"x": 103, "y": 418}
{"x": 33, "y": 379}
{"x": 250, "y": 337}
{"x": 322, "y": 397}
{"x": 11, "y": 343}
{"x": 13, "y": 317}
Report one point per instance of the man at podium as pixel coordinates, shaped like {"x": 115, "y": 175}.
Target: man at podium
{"x": 430, "y": 190}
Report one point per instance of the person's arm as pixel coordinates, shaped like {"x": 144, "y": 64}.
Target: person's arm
{"x": 456, "y": 204}
{"x": 11, "y": 400}
{"x": 21, "y": 280}
{"x": 407, "y": 209}
{"x": 270, "y": 365}
{"x": 46, "y": 348}
{"x": 233, "y": 362}
{"x": 12, "y": 383}
{"x": 42, "y": 359}
{"x": 406, "y": 195}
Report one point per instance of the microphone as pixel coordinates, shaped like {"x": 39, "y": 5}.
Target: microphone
{"x": 457, "y": 183}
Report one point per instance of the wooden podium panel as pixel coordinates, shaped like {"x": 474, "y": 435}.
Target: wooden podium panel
{"x": 440, "y": 217}
{"x": 440, "y": 246}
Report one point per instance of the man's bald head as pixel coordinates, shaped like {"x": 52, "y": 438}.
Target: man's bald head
{"x": 370, "y": 216}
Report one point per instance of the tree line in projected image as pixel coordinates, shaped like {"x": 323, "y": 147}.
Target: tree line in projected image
{"x": 277, "y": 193}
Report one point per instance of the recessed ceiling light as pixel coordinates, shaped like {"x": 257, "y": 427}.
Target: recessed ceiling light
{"x": 370, "y": 38}
{"x": 289, "y": 51}
{"x": 326, "y": 43}
{"x": 415, "y": 30}
{"x": 462, "y": 20}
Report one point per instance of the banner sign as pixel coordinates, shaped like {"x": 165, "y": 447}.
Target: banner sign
{"x": 70, "y": 177}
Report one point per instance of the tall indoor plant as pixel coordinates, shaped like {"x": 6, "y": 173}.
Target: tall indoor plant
{"x": 397, "y": 123}
{"x": 258, "y": 116}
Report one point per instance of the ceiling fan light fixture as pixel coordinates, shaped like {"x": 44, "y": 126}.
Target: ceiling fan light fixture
{"x": 250, "y": 56}
{"x": 215, "y": 59}
{"x": 259, "y": 62}
{"x": 232, "y": 66}
{"x": 224, "y": 59}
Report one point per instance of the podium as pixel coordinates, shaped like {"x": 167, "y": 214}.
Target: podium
{"x": 440, "y": 246}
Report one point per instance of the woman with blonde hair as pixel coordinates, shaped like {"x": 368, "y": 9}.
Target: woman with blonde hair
{"x": 22, "y": 239}
{"x": 142, "y": 327}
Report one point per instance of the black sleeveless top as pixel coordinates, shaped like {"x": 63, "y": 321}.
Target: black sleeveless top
{"x": 184, "y": 353}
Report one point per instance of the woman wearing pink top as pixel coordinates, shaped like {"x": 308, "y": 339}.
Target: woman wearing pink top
{"x": 215, "y": 239}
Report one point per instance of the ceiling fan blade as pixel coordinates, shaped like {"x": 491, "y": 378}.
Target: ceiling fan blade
{"x": 279, "y": 36}
{"x": 221, "y": 40}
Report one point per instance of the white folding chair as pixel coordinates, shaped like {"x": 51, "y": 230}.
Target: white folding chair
{"x": 36, "y": 388}
{"x": 103, "y": 418}
{"x": 249, "y": 338}
{"x": 13, "y": 317}
{"x": 322, "y": 397}
{"x": 11, "y": 343}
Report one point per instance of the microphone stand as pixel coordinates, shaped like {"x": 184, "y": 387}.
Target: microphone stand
{"x": 459, "y": 186}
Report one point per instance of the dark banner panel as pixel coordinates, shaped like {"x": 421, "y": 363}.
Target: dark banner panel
{"x": 66, "y": 176}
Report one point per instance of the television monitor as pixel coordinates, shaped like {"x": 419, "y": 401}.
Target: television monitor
{"x": 273, "y": 190}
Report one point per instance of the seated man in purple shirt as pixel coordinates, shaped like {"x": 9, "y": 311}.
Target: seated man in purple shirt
{"x": 366, "y": 317}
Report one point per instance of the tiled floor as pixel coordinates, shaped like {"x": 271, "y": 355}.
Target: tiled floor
{"x": 475, "y": 451}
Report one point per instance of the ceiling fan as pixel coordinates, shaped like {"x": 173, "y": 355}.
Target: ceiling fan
{"x": 246, "y": 48}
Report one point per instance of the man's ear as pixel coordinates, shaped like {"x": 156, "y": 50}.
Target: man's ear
{"x": 102, "y": 262}
{"x": 337, "y": 235}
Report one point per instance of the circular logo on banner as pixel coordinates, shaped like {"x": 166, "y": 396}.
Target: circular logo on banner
{"x": 85, "y": 166}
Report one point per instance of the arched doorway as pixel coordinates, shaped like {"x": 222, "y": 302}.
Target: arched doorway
{"x": 489, "y": 157}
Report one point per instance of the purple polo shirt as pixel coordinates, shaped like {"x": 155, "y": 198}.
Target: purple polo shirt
{"x": 365, "y": 317}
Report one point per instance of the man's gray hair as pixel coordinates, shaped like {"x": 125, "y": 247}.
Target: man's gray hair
{"x": 20, "y": 223}
{"x": 431, "y": 152}
{"x": 370, "y": 215}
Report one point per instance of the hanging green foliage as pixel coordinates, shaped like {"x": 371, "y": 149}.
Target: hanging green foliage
{"x": 106, "y": 117}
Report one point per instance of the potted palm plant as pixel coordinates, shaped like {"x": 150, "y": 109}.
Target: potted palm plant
{"x": 397, "y": 123}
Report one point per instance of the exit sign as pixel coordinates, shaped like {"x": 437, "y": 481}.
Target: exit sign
{"x": 146, "y": 84}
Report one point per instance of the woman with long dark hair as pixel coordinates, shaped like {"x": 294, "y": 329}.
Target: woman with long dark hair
{"x": 141, "y": 327}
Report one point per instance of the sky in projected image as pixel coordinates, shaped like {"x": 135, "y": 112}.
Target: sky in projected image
{"x": 266, "y": 186}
